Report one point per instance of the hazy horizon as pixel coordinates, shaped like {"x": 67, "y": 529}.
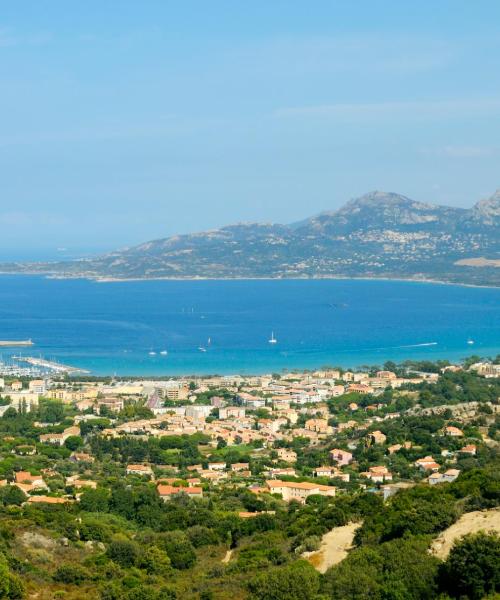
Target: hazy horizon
{"x": 122, "y": 126}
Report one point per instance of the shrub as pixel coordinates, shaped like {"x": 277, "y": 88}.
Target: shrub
{"x": 179, "y": 549}
{"x": 70, "y": 573}
{"x": 472, "y": 569}
{"x": 124, "y": 552}
{"x": 297, "y": 581}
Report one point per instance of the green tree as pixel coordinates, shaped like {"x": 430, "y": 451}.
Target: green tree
{"x": 124, "y": 552}
{"x": 179, "y": 549}
{"x": 73, "y": 442}
{"x": 472, "y": 569}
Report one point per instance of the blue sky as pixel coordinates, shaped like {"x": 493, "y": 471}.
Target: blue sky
{"x": 122, "y": 121}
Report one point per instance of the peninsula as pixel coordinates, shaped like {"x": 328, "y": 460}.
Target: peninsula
{"x": 379, "y": 235}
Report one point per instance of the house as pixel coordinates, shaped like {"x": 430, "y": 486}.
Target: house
{"x": 377, "y": 437}
{"x": 327, "y": 471}
{"x": 317, "y": 425}
{"x": 48, "y": 500}
{"x": 360, "y": 388}
{"x": 139, "y": 470}
{"x": 277, "y": 472}
{"x": 168, "y": 491}
{"x": 81, "y": 457}
{"x": 299, "y": 491}
{"x": 231, "y": 412}
{"x": 28, "y": 482}
{"x": 342, "y": 457}
{"x": 217, "y": 466}
{"x": 240, "y": 466}
{"x": 110, "y": 404}
{"x": 427, "y": 464}
{"x": 287, "y": 455}
{"x": 469, "y": 449}
{"x": 378, "y": 474}
{"x": 452, "y": 431}
{"x": 446, "y": 477}
{"x": 37, "y": 386}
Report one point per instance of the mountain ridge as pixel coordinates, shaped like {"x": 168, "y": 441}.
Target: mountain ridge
{"x": 380, "y": 234}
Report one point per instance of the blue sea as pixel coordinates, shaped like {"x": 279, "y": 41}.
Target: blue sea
{"x": 225, "y": 326}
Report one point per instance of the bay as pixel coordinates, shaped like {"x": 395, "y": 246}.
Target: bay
{"x": 225, "y": 326}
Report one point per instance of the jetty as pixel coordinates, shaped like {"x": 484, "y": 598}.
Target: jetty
{"x": 12, "y": 343}
{"x": 49, "y": 364}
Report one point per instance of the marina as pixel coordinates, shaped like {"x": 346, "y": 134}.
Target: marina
{"x": 49, "y": 365}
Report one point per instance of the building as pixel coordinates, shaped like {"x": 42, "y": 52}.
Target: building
{"x": 341, "y": 457}
{"x": 446, "y": 477}
{"x": 139, "y": 470}
{"x": 287, "y": 455}
{"x": 166, "y": 492}
{"x": 37, "y": 386}
{"x": 299, "y": 491}
{"x": 452, "y": 431}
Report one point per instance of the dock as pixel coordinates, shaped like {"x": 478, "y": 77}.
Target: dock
{"x": 13, "y": 343}
{"x": 49, "y": 364}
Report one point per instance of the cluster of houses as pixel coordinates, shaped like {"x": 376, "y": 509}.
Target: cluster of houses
{"x": 266, "y": 412}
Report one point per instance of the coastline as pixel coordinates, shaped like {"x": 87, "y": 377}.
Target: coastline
{"x": 99, "y": 279}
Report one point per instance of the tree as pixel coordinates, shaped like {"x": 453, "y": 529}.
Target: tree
{"x": 50, "y": 411}
{"x": 95, "y": 500}
{"x": 472, "y": 569}
{"x": 179, "y": 549}
{"x": 124, "y": 552}
{"x": 11, "y": 494}
{"x": 156, "y": 561}
{"x": 73, "y": 442}
{"x": 297, "y": 581}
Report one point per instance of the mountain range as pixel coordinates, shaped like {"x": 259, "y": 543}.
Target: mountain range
{"x": 379, "y": 235}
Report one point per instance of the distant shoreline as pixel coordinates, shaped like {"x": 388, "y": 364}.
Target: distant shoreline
{"x": 199, "y": 278}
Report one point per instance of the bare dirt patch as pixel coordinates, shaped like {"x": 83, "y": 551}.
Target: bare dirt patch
{"x": 335, "y": 546}
{"x": 485, "y": 520}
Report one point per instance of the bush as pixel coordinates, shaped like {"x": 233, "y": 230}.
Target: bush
{"x": 472, "y": 569}
{"x": 297, "y": 581}
{"x": 202, "y": 536}
{"x": 69, "y": 573}
{"x": 155, "y": 561}
{"x": 179, "y": 549}
{"x": 124, "y": 552}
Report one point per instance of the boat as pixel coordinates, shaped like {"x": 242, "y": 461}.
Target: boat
{"x": 164, "y": 353}
{"x": 152, "y": 353}
{"x": 470, "y": 342}
{"x": 273, "y": 340}
{"x": 209, "y": 341}
{"x": 202, "y": 349}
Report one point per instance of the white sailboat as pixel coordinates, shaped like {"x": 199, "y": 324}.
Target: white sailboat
{"x": 273, "y": 340}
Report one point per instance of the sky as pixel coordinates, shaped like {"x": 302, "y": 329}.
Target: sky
{"x": 124, "y": 121}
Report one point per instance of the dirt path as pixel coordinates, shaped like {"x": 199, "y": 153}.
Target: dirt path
{"x": 335, "y": 546}
{"x": 227, "y": 556}
{"x": 487, "y": 520}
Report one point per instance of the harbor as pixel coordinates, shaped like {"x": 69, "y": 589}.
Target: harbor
{"x": 49, "y": 365}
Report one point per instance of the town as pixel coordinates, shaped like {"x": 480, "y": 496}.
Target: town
{"x": 245, "y": 448}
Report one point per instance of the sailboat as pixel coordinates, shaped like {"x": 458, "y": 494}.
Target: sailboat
{"x": 273, "y": 340}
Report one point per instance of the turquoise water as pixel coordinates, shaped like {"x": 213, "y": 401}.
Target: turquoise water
{"x": 112, "y": 327}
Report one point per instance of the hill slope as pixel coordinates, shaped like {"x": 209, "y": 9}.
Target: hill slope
{"x": 377, "y": 235}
